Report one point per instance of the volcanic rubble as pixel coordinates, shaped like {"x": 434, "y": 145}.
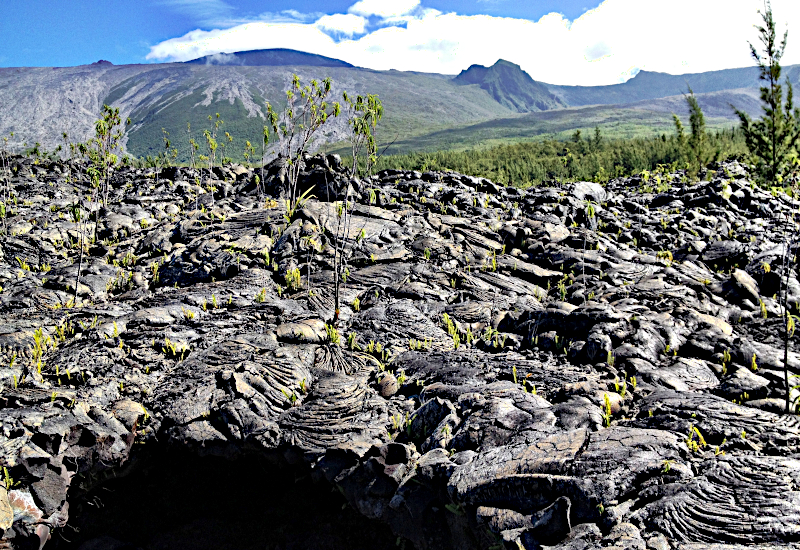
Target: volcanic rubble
{"x": 570, "y": 366}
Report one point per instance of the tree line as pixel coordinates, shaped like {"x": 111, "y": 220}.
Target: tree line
{"x": 594, "y": 159}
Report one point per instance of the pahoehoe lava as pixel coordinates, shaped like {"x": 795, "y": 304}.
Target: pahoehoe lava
{"x": 574, "y": 366}
{"x": 180, "y": 500}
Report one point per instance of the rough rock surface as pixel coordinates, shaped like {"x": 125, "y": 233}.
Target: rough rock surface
{"x": 567, "y": 367}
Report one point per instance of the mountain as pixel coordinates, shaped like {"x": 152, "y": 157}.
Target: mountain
{"x": 511, "y": 87}
{"x": 643, "y": 118}
{"x": 421, "y": 110}
{"x": 38, "y": 104}
{"x": 270, "y": 58}
{"x": 651, "y": 85}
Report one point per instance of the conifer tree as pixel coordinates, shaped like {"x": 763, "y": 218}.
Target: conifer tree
{"x": 598, "y": 139}
{"x": 680, "y": 137}
{"x": 772, "y": 141}
{"x": 698, "y": 140}
{"x": 774, "y": 137}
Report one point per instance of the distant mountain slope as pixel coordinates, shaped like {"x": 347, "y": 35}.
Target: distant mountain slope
{"x": 270, "y": 58}
{"x": 643, "y": 118}
{"x": 510, "y": 86}
{"x": 413, "y": 103}
{"x": 422, "y": 110}
{"x": 651, "y": 85}
{"x": 714, "y": 104}
{"x": 38, "y": 104}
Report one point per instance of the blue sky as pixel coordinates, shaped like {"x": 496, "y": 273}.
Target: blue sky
{"x": 562, "y": 42}
{"x": 64, "y": 33}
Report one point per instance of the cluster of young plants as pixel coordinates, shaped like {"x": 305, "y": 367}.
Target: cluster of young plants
{"x": 419, "y": 345}
{"x": 293, "y": 279}
{"x": 399, "y": 425}
{"x": 452, "y": 330}
{"x": 379, "y": 352}
{"x": 695, "y": 440}
{"x": 606, "y": 412}
{"x": 261, "y": 297}
{"x": 291, "y": 396}
{"x": 526, "y": 384}
{"x": 172, "y": 349}
{"x": 491, "y": 337}
{"x": 332, "y": 334}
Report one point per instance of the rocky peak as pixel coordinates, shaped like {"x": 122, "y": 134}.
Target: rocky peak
{"x": 509, "y": 85}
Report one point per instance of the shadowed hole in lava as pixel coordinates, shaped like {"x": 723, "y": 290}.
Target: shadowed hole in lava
{"x": 182, "y": 501}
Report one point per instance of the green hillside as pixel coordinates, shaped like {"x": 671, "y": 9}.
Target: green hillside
{"x": 177, "y": 112}
{"x": 615, "y": 123}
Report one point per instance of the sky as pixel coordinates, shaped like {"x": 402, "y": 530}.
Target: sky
{"x": 573, "y": 42}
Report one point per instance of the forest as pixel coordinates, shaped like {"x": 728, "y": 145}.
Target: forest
{"x": 591, "y": 159}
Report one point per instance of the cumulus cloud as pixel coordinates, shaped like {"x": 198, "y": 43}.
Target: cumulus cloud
{"x": 344, "y": 23}
{"x": 604, "y": 45}
{"x": 249, "y": 36}
{"x": 222, "y": 59}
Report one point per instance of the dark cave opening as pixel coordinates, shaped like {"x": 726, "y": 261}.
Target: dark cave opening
{"x": 177, "y": 500}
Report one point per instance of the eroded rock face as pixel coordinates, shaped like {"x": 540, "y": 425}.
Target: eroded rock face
{"x": 567, "y": 367}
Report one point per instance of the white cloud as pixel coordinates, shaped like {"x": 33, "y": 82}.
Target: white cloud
{"x": 284, "y": 16}
{"x": 344, "y": 23}
{"x": 222, "y": 59}
{"x": 384, "y": 8}
{"x": 294, "y": 14}
{"x": 603, "y": 46}
{"x": 249, "y": 36}
{"x": 204, "y": 11}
